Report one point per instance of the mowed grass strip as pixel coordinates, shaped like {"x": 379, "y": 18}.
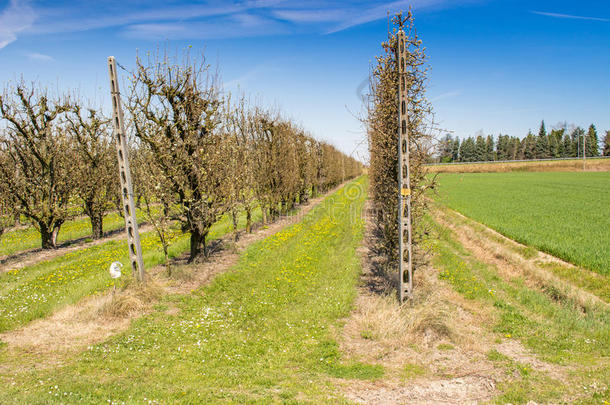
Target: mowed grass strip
{"x": 19, "y": 240}
{"x": 262, "y": 333}
{"x": 566, "y": 214}
{"x": 36, "y": 291}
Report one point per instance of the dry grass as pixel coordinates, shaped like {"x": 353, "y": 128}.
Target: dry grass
{"x": 380, "y": 330}
{"x": 432, "y": 347}
{"x": 435, "y": 348}
{"x": 132, "y": 301}
{"x": 593, "y": 165}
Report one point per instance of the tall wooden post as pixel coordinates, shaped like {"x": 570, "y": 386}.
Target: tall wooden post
{"x": 404, "y": 197}
{"x": 129, "y": 208}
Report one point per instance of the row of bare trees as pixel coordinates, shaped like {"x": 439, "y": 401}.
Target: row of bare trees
{"x": 382, "y": 130}
{"x": 53, "y": 155}
{"x": 196, "y": 153}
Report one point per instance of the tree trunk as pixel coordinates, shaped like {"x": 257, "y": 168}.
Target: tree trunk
{"x": 198, "y": 245}
{"x": 48, "y": 235}
{"x": 264, "y": 213}
{"x": 248, "y": 220}
{"x": 235, "y": 224}
{"x": 196, "y": 240}
{"x": 97, "y": 226}
{"x": 273, "y": 212}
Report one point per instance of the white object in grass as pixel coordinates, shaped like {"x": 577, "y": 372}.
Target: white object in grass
{"x": 115, "y": 269}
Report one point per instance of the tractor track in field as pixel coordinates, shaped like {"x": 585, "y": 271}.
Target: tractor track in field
{"x": 31, "y": 257}
{"x": 70, "y": 330}
{"x": 505, "y": 254}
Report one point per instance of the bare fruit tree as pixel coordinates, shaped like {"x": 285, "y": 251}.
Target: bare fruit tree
{"x": 97, "y": 182}
{"x": 38, "y": 168}
{"x": 7, "y": 202}
{"x": 175, "y": 111}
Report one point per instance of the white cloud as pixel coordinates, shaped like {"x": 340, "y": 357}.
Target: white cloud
{"x": 310, "y": 16}
{"x": 233, "y": 26}
{"x": 70, "y": 20}
{"x": 571, "y": 17}
{"x": 207, "y": 19}
{"x": 39, "y": 57}
{"x": 449, "y": 94}
{"x": 378, "y": 12}
{"x": 16, "y": 17}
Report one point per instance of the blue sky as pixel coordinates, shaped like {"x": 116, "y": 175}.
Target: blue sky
{"x": 497, "y": 65}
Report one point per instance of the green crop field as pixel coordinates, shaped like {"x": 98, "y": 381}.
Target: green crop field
{"x": 566, "y": 214}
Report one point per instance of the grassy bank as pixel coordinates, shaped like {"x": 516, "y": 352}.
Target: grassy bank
{"x": 568, "y": 165}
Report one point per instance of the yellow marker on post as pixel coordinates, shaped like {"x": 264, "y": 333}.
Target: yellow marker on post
{"x": 405, "y": 192}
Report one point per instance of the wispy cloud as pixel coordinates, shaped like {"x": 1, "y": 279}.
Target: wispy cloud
{"x": 64, "y": 20}
{"x": 309, "y": 16}
{"x": 449, "y": 94}
{"x": 380, "y": 11}
{"x": 233, "y": 26}
{"x": 16, "y": 17}
{"x": 206, "y": 19}
{"x": 251, "y": 75}
{"x": 572, "y": 17}
{"x": 338, "y": 16}
{"x": 39, "y": 57}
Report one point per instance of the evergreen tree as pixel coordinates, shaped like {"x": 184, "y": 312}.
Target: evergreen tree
{"x": 577, "y": 137}
{"x": 490, "y": 154}
{"x": 592, "y": 146}
{"x": 542, "y": 130}
{"x": 514, "y": 150}
{"x": 445, "y": 149}
{"x": 541, "y": 150}
{"x": 455, "y": 150}
{"x": 480, "y": 149}
{"x": 567, "y": 146}
{"x": 528, "y": 146}
{"x": 503, "y": 147}
{"x": 553, "y": 146}
{"x": 606, "y": 150}
{"x": 556, "y": 143}
{"x": 467, "y": 150}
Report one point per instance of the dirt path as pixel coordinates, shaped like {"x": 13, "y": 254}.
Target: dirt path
{"x": 434, "y": 348}
{"x": 50, "y": 341}
{"x": 35, "y": 256}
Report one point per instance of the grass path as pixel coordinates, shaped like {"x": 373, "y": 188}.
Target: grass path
{"x": 36, "y": 291}
{"x": 262, "y": 333}
{"x": 28, "y": 238}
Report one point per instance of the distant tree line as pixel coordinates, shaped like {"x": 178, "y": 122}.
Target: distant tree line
{"x": 558, "y": 143}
